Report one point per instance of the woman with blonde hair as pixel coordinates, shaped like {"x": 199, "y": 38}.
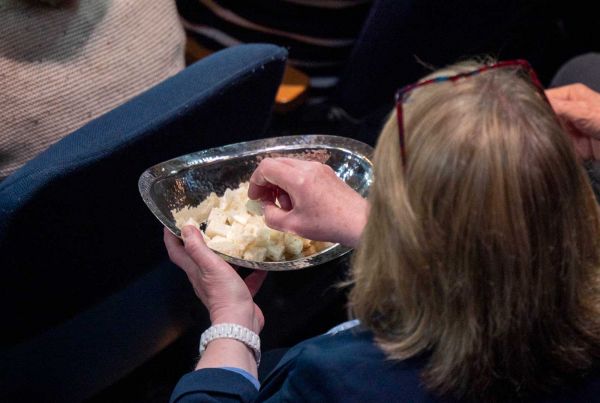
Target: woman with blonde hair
{"x": 476, "y": 276}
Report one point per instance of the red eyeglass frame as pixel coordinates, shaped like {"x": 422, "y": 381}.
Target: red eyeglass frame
{"x": 401, "y": 94}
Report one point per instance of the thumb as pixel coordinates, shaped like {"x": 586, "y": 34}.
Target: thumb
{"x": 201, "y": 254}
{"x": 275, "y": 217}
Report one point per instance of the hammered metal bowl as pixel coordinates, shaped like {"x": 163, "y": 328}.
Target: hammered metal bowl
{"x": 189, "y": 179}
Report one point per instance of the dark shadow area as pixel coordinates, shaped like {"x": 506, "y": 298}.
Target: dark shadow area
{"x": 154, "y": 381}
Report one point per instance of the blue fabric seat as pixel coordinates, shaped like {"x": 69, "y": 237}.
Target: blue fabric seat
{"x": 87, "y": 293}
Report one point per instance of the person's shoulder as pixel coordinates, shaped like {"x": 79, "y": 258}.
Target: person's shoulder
{"x": 342, "y": 344}
{"x": 354, "y": 344}
{"x": 349, "y": 366}
{"x": 354, "y": 349}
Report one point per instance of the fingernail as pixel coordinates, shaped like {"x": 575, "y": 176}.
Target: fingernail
{"x": 187, "y": 231}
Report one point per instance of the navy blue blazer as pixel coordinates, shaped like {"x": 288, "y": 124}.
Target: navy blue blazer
{"x": 343, "y": 367}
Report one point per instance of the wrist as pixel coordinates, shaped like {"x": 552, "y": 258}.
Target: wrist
{"x": 229, "y": 343}
{"x": 239, "y": 317}
{"x": 228, "y": 353}
{"x": 356, "y": 223}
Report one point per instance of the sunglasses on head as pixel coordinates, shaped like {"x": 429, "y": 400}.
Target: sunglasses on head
{"x": 403, "y": 93}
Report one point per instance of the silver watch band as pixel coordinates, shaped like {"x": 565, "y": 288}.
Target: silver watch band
{"x": 232, "y": 331}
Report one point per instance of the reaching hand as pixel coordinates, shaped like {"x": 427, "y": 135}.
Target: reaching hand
{"x": 315, "y": 203}
{"x": 579, "y": 108}
{"x": 227, "y": 297}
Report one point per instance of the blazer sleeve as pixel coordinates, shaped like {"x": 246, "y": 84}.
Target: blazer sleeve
{"x": 213, "y": 385}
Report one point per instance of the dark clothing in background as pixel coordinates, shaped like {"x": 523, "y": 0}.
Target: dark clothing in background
{"x": 583, "y": 69}
{"x": 343, "y": 367}
{"x": 319, "y": 35}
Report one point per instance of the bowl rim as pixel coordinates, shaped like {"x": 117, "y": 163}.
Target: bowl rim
{"x": 175, "y": 165}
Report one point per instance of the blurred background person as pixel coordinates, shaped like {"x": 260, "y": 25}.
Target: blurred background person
{"x": 319, "y": 35}
{"x": 65, "y": 62}
{"x": 355, "y": 52}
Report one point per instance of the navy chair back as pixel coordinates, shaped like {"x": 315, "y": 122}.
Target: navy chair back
{"x": 73, "y": 228}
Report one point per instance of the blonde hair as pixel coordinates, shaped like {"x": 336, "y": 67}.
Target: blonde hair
{"x": 484, "y": 250}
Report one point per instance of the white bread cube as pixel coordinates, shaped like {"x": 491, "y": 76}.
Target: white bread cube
{"x": 237, "y": 235}
{"x": 256, "y": 220}
{"x": 242, "y": 189}
{"x": 251, "y": 230}
{"x": 199, "y": 213}
{"x": 262, "y": 236}
{"x": 215, "y": 228}
{"x": 205, "y": 237}
{"x": 225, "y": 246}
{"x": 275, "y": 252}
{"x": 240, "y": 217}
{"x": 241, "y": 194}
{"x": 293, "y": 244}
{"x": 203, "y": 210}
{"x": 217, "y": 216}
{"x": 227, "y": 199}
{"x": 276, "y": 236}
{"x": 254, "y": 207}
{"x": 255, "y": 253}
{"x": 237, "y": 230}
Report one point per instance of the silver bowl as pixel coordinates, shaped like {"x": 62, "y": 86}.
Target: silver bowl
{"x": 189, "y": 179}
